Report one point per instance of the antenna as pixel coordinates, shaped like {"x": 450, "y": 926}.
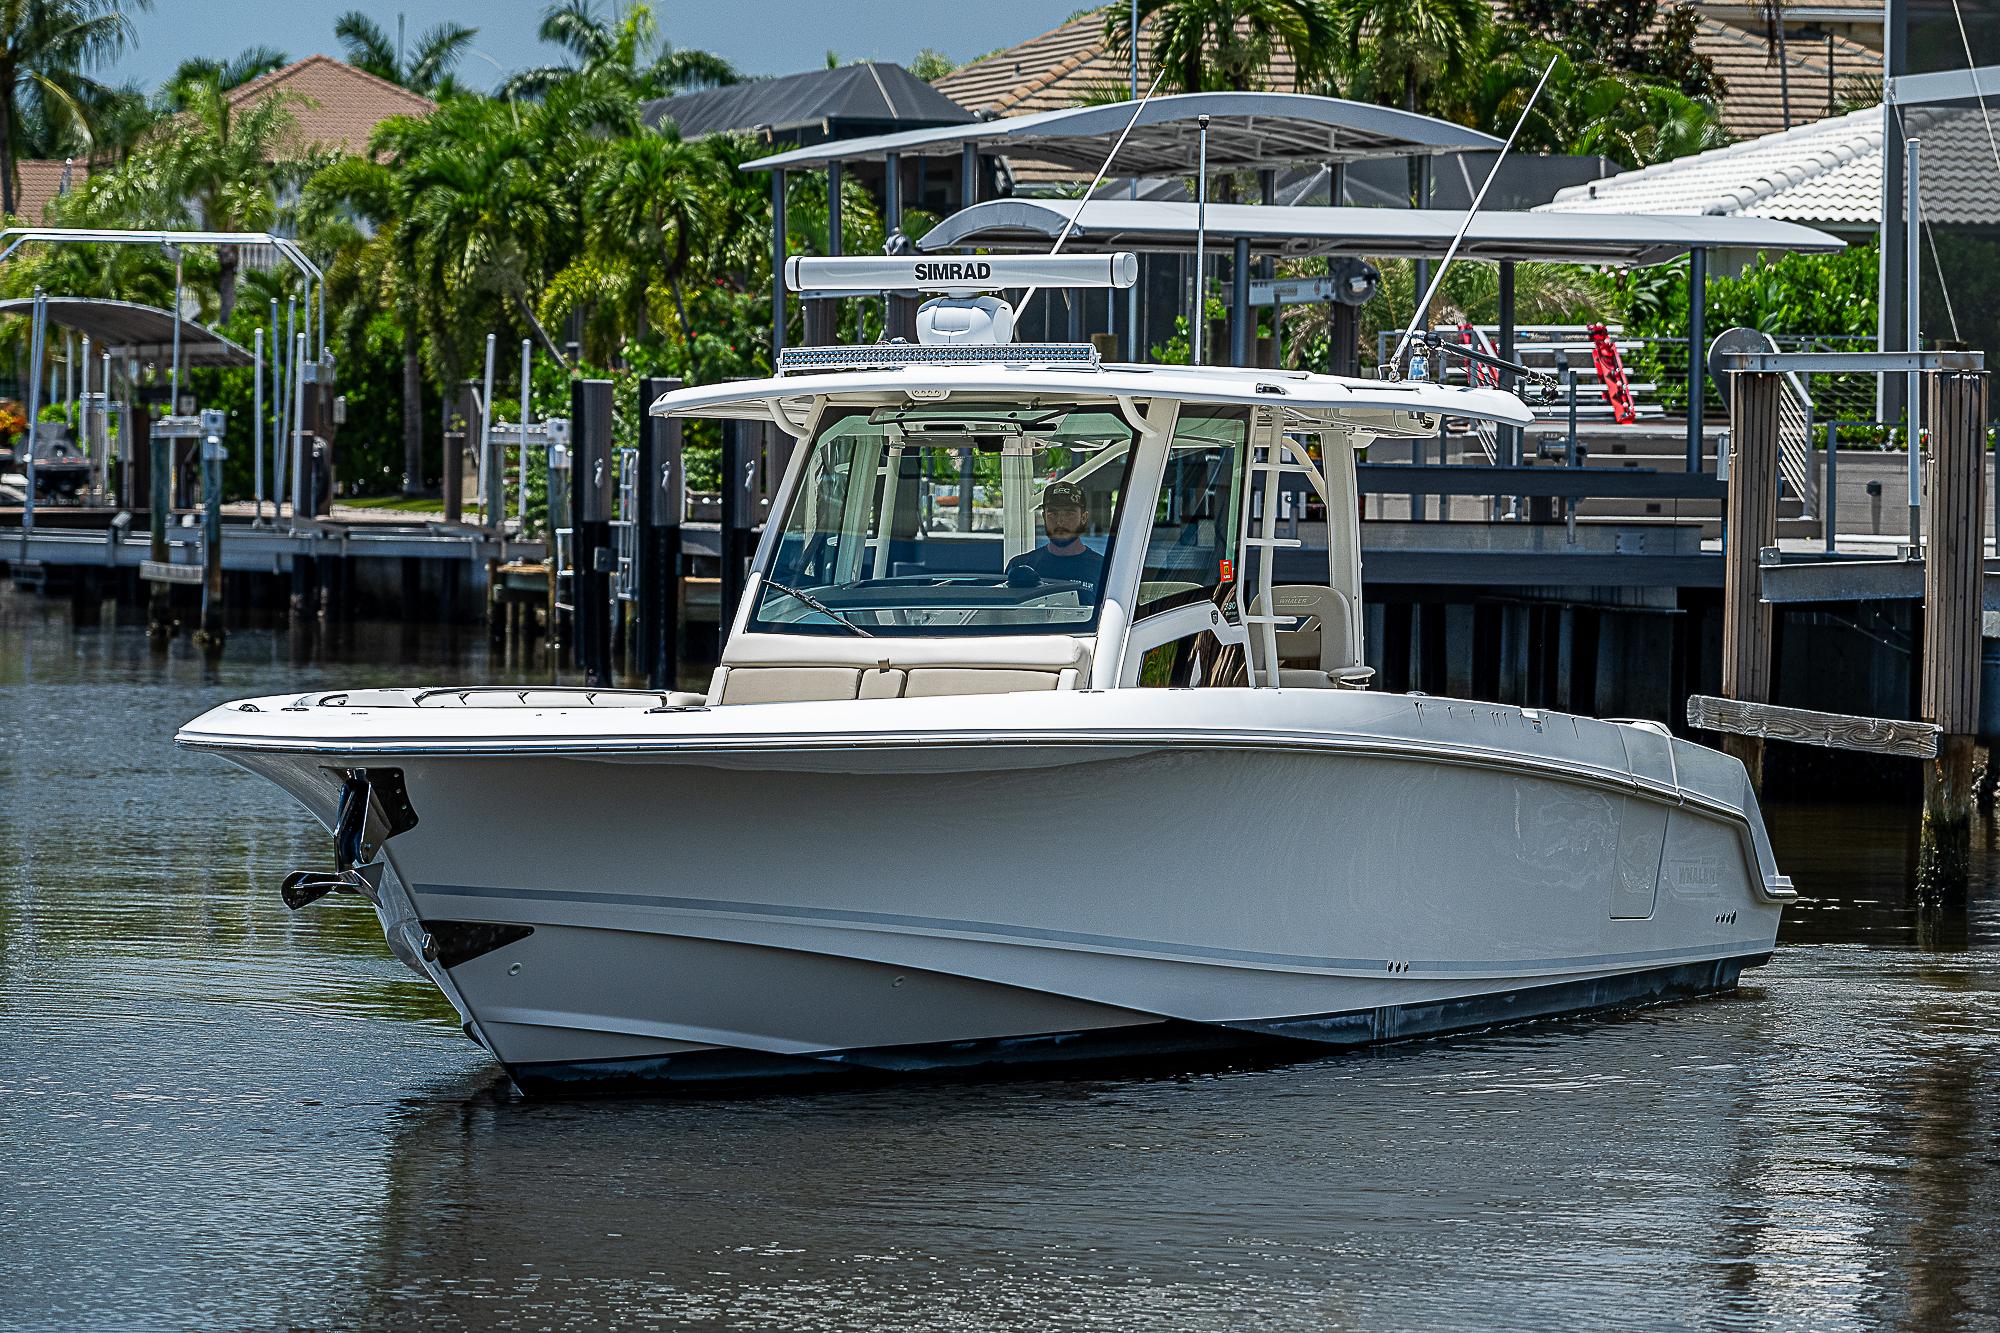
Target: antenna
{"x": 1451, "y": 252}
{"x": 1070, "y": 224}
{"x": 961, "y": 315}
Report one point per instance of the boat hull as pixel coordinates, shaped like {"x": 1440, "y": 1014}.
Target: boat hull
{"x": 1144, "y": 1043}
{"x": 723, "y": 912}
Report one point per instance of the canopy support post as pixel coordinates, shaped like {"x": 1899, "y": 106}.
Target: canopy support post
{"x": 777, "y": 265}
{"x": 1697, "y": 336}
{"x": 833, "y": 182}
{"x": 1511, "y": 435}
{"x": 1243, "y": 320}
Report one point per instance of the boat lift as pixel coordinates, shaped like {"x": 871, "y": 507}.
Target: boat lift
{"x": 308, "y": 356}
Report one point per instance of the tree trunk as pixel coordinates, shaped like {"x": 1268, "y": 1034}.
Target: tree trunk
{"x": 413, "y": 413}
{"x": 528, "y": 311}
{"x": 9, "y": 194}
{"x": 227, "y": 261}
{"x": 680, "y": 309}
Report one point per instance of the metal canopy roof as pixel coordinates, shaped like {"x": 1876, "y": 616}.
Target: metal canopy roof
{"x": 142, "y": 331}
{"x": 1586, "y": 238}
{"x": 1245, "y": 130}
{"x": 878, "y": 94}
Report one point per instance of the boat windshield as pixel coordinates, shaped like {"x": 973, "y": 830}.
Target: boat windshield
{"x": 942, "y": 518}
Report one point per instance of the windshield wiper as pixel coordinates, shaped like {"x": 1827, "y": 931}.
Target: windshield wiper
{"x": 815, "y": 604}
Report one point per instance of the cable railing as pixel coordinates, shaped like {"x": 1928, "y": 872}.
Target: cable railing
{"x": 1657, "y": 371}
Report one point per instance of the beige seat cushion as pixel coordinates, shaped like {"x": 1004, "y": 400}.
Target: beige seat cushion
{"x": 786, "y": 684}
{"x": 926, "y": 682}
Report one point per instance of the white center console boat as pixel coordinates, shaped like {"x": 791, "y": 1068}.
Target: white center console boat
{"x": 1021, "y": 751}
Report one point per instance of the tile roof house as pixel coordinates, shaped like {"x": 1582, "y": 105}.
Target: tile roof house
{"x": 1858, "y": 20}
{"x": 1827, "y": 174}
{"x": 1761, "y": 95}
{"x": 1067, "y": 66}
{"x": 335, "y": 105}
{"x": 41, "y": 182}
{"x": 1072, "y": 64}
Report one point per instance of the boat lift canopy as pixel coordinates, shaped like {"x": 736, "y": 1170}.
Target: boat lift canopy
{"x": 143, "y": 332}
{"x": 1507, "y": 238}
{"x": 1296, "y": 232}
{"x": 1246, "y": 131}
{"x": 13, "y": 238}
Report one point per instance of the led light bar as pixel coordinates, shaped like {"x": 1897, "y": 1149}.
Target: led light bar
{"x": 887, "y": 356}
{"x": 958, "y": 273}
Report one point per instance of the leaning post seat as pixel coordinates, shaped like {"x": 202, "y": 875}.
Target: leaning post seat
{"x": 1321, "y": 650}
{"x": 779, "y": 668}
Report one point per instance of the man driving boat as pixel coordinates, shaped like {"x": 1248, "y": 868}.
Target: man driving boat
{"x": 1065, "y": 518}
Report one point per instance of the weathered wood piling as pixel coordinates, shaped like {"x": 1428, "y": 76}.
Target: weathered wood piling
{"x": 1954, "y": 579}
{"x": 1750, "y": 524}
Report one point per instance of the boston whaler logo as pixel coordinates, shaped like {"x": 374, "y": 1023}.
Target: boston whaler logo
{"x": 955, "y": 270}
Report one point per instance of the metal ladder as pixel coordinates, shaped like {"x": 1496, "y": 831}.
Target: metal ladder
{"x": 625, "y": 529}
{"x": 1795, "y": 448}
{"x": 562, "y": 548}
{"x": 1272, "y": 455}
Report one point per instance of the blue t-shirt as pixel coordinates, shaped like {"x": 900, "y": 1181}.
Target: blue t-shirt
{"x": 1085, "y": 566}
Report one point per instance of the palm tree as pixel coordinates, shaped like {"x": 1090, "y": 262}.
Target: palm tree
{"x": 1219, "y": 45}
{"x": 46, "y": 47}
{"x": 653, "y": 199}
{"x": 624, "y": 44}
{"x": 358, "y": 207}
{"x": 1396, "y": 47}
{"x": 1587, "y": 107}
{"x": 429, "y": 69}
{"x": 223, "y": 165}
{"x": 482, "y": 218}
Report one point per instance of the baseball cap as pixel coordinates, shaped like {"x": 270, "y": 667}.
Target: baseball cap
{"x": 1064, "y": 493}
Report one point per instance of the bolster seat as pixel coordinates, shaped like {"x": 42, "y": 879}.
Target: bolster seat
{"x": 755, "y": 669}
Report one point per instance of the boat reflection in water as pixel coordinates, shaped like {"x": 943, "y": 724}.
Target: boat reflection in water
{"x": 1807, "y": 1153}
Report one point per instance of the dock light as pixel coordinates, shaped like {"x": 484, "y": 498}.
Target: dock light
{"x": 1354, "y": 280}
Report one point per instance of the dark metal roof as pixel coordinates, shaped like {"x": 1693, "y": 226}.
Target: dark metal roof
{"x": 130, "y": 330}
{"x": 1416, "y": 233}
{"x": 868, "y": 97}
{"x": 1245, "y": 130}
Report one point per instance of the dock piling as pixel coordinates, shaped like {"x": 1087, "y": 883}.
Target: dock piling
{"x": 593, "y": 499}
{"x": 1954, "y": 575}
{"x": 159, "y": 605}
{"x": 662, "y": 509}
{"x": 1751, "y": 524}
{"x": 213, "y": 451}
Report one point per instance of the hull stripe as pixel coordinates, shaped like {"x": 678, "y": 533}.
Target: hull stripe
{"x": 1081, "y": 939}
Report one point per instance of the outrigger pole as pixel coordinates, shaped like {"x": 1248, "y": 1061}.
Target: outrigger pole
{"x": 1070, "y": 224}
{"x": 1417, "y": 314}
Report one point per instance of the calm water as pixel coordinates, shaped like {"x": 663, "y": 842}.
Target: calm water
{"x": 217, "y": 1115}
